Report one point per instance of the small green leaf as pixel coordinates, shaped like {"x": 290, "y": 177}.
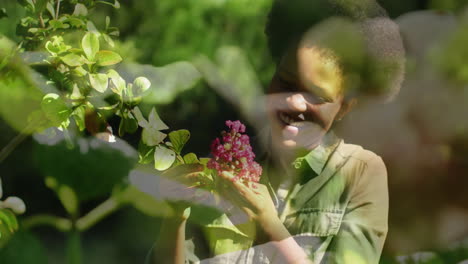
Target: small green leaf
{"x": 99, "y": 82}
{"x": 79, "y": 115}
{"x": 3, "y": 13}
{"x": 55, "y": 109}
{"x": 178, "y": 139}
{"x": 128, "y": 123}
{"x": 8, "y": 218}
{"x": 90, "y": 45}
{"x": 163, "y": 158}
{"x": 140, "y": 85}
{"x": 191, "y": 158}
{"x": 145, "y": 153}
{"x": 107, "y": 58}
{"x": 51, "y": 9}
{"x": 91, "y": 27}
{"x": 117, "y": 83}
{"x": 80, "y": 10}
{"x": 68, "y": 199}
{"x": 73, "y": 60}
{"x": 109, "y": 40}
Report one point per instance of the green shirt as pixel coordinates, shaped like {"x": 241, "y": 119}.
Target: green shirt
{"x": 337, "y": 213}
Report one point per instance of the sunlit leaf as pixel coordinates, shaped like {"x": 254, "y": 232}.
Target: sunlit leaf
{"x": 90, "y": 45}
{"x": 163, "y": 158}
{"x": 118, "y": 83}
{"x": 73, "y": 60}
{"x": 79, "y": 116}
{"x": 155, "y": 121}
{"x": 191, "y": 158}
{"x": 178, "y": 139}
{"x": 152, "y": 137}
{"x": 107, "y": 58}
{"x": 80, "y": 10}
{"x": 99, "y": 81}
{"x": 140, "y": 85}
{"x": 55, "y": 109}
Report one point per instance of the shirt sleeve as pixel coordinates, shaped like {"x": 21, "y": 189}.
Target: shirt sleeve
{"x": 363, "y": 230}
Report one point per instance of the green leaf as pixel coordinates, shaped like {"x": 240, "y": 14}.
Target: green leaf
{"x": 99, "y": 82}
{"x": 41, "y": 5}
{"x": 73, "y": 60}
{"x": 108, "y": 39}
{"x": 163, "y": 158}
{"x": 79, "y": 116}
{"x": 90, "y": 45}
{"x": 178, "y": 139}
{"x": 80, "y": 10}
{"x": 51, "y": 9}
{"x": 118, "y": 83}
{"x": 8, "y": 218}
{"x": 55, "y": 109}
{"x": 3, "y": 13}
{"x": 140, "y": 85}
{"x": 91, "y": 167}
{"x": 107, "y": 58}
{"x": 68, "y": 199}
{"x": 91, "y": 27}
{"x": 191, "y": 158}
{"x": 145, "y": 153}
{"x": 128, "y": 123}
{"x": 22, "y": 248}
{"x": 152, "y": 137}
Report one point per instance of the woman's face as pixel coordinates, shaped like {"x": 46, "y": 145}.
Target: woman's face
{"x": 304, "y": 98}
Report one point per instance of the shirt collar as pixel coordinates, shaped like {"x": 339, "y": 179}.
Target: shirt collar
{"x": 318, "y": 157}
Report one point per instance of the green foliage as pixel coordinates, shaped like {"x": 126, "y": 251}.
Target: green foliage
{"x": 178, "y": 139}
{"x": 23, "y": 248}
{"x": 8, "y": 225}
{"x": 92, "y": 167}
{"x": 163, "y": 158}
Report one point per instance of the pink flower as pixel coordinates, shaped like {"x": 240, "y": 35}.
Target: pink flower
{"x": 233, "y": 153}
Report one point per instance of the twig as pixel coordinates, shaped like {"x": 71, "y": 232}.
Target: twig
{"x": 100, "y": 212}
{"x": 59, "y": 223}
{"x": 57, "y": 10}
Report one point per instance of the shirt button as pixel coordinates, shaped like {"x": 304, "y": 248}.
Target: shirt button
{"x": 298, "y": 163}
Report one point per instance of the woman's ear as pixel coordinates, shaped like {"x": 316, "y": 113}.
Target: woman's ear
{"x": 346, "y": 106}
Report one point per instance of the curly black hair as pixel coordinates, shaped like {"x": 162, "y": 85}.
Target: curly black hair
{"x": 383, "y": 70}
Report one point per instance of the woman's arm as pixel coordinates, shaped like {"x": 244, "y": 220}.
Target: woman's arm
{"x": 256, "y": 202}
{"x": 170, "y": 247}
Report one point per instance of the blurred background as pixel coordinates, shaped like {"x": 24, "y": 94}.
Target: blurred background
{"x": 218, "y": 47}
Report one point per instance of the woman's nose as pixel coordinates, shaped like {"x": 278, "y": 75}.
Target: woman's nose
{"x": 296, "y": 102}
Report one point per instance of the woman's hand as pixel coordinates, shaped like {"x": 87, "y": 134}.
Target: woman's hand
{"x": 255, "y": 200}
{"x": 177, "y": 185}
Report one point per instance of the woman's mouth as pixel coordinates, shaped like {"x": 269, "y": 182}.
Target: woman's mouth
{"x": 289, "y": 119}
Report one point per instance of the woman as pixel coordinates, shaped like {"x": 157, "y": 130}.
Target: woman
{"x": 321, "y": 200}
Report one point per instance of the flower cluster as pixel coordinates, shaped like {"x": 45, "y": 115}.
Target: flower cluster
{"x": 233, "y": 153}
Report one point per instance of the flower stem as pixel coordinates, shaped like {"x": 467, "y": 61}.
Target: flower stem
{"x": 59, "y": 223}
{"x": 100, "y": 212}
{"x": 74, "y": 249}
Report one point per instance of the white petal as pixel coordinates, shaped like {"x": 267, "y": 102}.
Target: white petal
{"x": 15, "y": 204}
